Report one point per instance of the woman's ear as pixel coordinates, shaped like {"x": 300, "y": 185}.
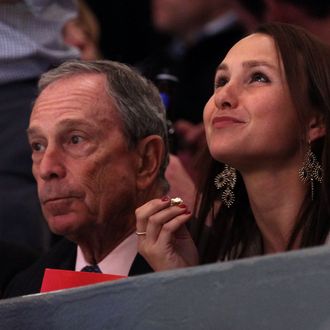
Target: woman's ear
{"x": 150, "y": 152}
{"x": 316, "y": 128}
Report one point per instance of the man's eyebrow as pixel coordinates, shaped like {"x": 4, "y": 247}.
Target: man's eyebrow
{"x": 64, "y": 124}
{"x": 32, "y": 131}
{"x": 68, "y": 123}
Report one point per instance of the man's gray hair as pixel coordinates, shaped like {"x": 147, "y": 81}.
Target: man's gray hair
{"x": 137, "y": 99}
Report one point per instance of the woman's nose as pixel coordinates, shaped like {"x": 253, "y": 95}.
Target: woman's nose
{"x": 226, "y": 97}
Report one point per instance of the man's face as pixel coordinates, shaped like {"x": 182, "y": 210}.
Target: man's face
{"x": 83, "y": 166}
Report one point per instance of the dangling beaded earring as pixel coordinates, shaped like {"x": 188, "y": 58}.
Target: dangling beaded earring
{"x": 311, "y": 170}
{"x": 226, "y": 181}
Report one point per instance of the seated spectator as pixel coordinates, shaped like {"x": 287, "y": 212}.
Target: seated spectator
{"x": 266, "y": 187}
{"x": 99, "y": 149}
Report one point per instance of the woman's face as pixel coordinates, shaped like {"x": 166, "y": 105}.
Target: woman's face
{"x": 250, "y": 119}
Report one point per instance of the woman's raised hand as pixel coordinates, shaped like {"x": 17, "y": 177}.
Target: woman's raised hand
{"x": 163, "y": 239}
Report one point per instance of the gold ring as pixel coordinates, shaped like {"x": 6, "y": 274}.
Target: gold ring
{"x": 140, "y": 233}
{"x": 176, "y": 201}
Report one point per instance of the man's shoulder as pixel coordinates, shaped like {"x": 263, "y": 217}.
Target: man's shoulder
{"x": 15, "y": 258}
{"x": 61, "y": 256}
{"x": 60, "y": 251}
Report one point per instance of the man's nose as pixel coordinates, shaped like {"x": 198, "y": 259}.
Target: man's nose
{"x": 52, "y": 164}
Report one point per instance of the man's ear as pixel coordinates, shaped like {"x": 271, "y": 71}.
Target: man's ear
{"x": 150, "y": 152}
{"x": 316, "y": 128}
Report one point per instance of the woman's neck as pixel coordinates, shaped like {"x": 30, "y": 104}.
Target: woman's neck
{"x": 276, "y": 197}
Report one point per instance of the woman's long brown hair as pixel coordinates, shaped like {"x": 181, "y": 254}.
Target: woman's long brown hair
{"x": 234, "y": 233}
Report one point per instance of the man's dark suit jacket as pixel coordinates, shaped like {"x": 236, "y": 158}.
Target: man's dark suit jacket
{"x": 61, "y": 256}
{"x": 14, "y": 259}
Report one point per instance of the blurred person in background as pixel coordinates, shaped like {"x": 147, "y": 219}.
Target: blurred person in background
{"x": 31, "y": 42}
{"x": 313, "y": 15}
{"x": 83, "y": 32}
{"x": 251, "y": 13}
{"x": 125, "y": 30}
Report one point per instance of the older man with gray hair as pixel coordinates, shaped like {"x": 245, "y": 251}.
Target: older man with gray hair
{"x": 99, "y": 149}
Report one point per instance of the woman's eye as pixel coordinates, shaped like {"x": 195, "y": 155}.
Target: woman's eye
{"x": 259, "y": 77}
{"x": 221, "y": 81}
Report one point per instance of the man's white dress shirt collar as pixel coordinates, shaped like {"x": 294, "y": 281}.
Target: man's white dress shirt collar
{"x": 117, "y": 262}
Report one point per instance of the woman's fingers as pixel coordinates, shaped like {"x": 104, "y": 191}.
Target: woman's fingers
{"x": 164, "y": 241}
{"x": 162, "y": 221}
{"x": 174, "y": 228}
{"x": 153, "y": 214}
{"x": 144, "y": 212}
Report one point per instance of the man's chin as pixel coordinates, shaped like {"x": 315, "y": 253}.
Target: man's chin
{"x": 63, "y": 224}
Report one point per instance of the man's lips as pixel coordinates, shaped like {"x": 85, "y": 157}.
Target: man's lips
{"x": 225, "y": 121}
{"x": 59, "y": 205}
{"x": 58, "y": 198}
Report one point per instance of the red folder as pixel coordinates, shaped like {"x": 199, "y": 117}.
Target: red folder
{"x": 57, "y": 279}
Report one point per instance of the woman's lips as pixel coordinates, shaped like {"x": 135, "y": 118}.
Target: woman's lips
{"x": 226, "y": 121}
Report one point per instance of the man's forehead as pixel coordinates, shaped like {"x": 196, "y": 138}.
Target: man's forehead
{"x": 89, "y": 84}
{"x": 53, "y": 109}
{"x": 88, "y": 79}
{"x": 84, "y": 93}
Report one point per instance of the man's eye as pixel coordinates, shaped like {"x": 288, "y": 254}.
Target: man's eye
{"x": 36, "y": 146}
{"x": 259, "y": 77}
{"x": 75, "y": 139}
